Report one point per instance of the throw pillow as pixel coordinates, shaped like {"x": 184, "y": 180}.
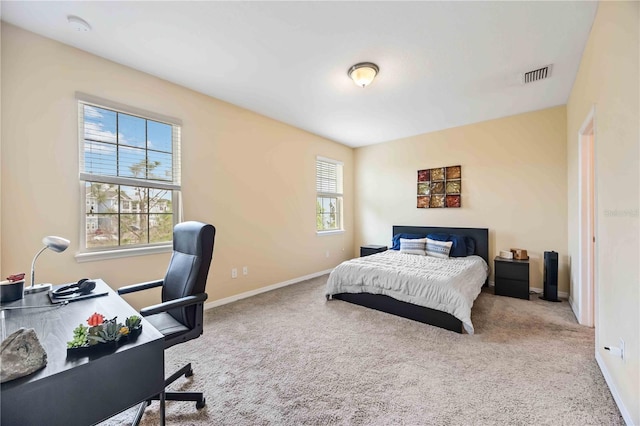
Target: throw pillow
{"x": 471, "y": 246}
{"x": 396, "y": 239}
{"x": 439, "y": 249}
{"x": 413, "y": 246}
{"x": 459, "y": 247}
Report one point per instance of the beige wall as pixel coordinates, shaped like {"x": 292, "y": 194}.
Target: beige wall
{"x": 2, "y": 277}
{"x": 513, "y": 182}
{"x": 250, "y": 176}
{"x": 608, "y": 78}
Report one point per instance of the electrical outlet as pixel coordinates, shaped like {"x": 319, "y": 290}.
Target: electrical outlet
{"x": 234, "y": 273}
{"x": 245, "y": 270}
{"x": 621, "y": 348}
{"x": 327, "y": 253}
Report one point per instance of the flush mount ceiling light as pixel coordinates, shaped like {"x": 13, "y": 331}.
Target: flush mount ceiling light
{"x": 363, "y": 73}
{"x": 78, "y": 24}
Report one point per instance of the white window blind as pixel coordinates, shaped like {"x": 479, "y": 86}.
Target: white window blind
{"x": 328, "y": 194}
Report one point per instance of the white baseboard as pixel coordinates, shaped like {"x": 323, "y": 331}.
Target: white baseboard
{"x": 537, "y": 290}
{"x": 614, "y": 391}
{"x": 562, "y": 294}
{"x": 574, "y": 308}
{"x": 246, "y": 294}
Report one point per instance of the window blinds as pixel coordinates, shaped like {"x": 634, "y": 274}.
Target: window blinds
{"x": 124, "y": 148}
{"x": 328, "y": 177}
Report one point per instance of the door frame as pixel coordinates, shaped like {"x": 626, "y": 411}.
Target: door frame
{"x": 587, "y": 265}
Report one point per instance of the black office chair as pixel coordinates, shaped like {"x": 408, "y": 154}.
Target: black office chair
{"x": 179, "y": 316}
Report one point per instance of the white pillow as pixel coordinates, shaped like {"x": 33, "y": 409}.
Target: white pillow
{"x": 438, "y": 248}
{"x": 411, "y": 246}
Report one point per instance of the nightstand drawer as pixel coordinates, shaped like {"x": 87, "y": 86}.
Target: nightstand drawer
{"x": 512, "y": 288}
{"x": 512, "y": 271}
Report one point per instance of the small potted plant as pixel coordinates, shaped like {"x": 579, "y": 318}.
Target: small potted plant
{"x": 134, "y": 324}
{"x": 103, "y": 334}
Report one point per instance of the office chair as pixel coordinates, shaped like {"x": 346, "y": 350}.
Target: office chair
{"x": 179, "y": 316}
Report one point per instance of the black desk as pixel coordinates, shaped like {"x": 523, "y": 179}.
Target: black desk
{"x": 80, "y": 390}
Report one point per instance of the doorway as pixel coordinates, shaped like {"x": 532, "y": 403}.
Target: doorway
{"x": 586, "y": 204}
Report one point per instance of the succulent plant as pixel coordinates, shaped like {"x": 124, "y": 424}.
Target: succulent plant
{"x": 79, "y": 337}
{"x": 133, "y": 322}
{"x": 108, "y": 331}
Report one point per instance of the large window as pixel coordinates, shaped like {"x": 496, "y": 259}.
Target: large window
{"x": 130, "y": 175}
{"x": 328, "y": 195}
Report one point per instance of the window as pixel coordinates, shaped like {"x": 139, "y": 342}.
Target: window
{"x": 130, "y": 175}
{"x": 328, "y": 195}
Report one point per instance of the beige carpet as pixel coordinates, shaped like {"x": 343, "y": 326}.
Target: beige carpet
{"x": 288, "y": 357}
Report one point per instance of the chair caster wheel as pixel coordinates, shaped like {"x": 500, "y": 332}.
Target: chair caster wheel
{"x": 200, "y": 404}
{"x": 188, "y": 373}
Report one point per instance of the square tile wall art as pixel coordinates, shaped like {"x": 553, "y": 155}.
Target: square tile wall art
{"x": 440, "y": 187}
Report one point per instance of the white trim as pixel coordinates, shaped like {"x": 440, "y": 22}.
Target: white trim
{"x": 538, "y": 290}
{"x": 118, "y": 253}
{"x": 614, "y": 391}
{"x": 251, "y": 293}
{"x": 329, "y": 160}
{"x": 331, "y": 232}
{"x": 120, "y": 180}
{"x": 330, "y": 194}
{"x": 574, "y": 308}
{"x": 100, "y": 102}
{"x": 587, "y": 212}
{"x": 587, "y": 121}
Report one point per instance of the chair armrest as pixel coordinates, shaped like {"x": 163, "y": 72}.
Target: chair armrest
{"x": 140, "y": 286}
{"x": 172, "y": 304}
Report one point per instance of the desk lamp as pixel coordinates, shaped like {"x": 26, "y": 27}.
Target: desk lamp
{"x": 57, "y": 244}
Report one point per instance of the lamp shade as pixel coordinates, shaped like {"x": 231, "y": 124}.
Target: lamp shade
{"x": 363, "y": 73}
{"x": 57, "y": 244}
{"x": 53, "y": 243}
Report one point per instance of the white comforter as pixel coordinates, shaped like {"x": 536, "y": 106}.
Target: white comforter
{"x": 449, "y": 285}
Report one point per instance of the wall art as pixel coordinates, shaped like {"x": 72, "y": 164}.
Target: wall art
{"x": 440, "y": 187}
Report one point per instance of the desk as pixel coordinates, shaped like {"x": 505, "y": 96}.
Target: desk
{"x": 80, "y": 390}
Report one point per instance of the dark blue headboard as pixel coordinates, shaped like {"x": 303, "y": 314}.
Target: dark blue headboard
{"x": 480, "y": 235}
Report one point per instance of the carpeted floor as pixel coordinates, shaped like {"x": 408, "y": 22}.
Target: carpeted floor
{"x": 289, "y": 357}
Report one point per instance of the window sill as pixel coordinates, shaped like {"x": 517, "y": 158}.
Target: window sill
{"x": 115, "y": 254}
{"x": 334, "y": 232}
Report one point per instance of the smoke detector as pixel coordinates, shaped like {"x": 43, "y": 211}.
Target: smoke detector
{"x": 536, "y": 75}
{"x": 78, "y": 24}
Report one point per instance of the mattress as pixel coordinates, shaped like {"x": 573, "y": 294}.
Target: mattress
{"x": 449, "y": 285}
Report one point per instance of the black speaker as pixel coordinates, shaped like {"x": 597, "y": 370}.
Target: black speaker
{"x": 550, "y": 287}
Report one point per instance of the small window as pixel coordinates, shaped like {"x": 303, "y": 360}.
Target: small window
{"x": 328, "y": 195}
{"x": 130, "y": 174}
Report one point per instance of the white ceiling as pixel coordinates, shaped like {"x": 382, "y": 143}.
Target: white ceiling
{"x": 442, "y": 64}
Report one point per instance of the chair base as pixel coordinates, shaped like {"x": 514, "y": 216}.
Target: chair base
{"x": 197, "y": 397}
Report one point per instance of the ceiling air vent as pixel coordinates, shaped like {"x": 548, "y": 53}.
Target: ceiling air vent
{"x": 535, "y": 75}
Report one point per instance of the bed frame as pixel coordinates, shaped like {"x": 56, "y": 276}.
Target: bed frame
{"x": 430, "y": 316}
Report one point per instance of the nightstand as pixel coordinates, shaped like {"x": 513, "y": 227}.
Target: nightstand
{"x": 512, "y": 277}
{"x": 371, "y": 249}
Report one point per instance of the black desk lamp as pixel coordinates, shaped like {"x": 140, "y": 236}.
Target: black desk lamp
{"x": 57, "y": 244}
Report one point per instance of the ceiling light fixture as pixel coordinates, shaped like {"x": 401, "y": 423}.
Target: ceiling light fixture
{"x": 363, "y": 73}
{"x": 78, "y": 24}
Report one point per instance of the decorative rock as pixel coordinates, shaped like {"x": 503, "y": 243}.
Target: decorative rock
{"x": 20, "y": 355}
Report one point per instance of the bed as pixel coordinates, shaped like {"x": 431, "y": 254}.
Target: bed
{"x": 364, "y": 281}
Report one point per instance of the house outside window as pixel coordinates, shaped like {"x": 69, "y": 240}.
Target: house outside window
{"x": 328, "y": 195}
{"x": 130, "y": 175}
